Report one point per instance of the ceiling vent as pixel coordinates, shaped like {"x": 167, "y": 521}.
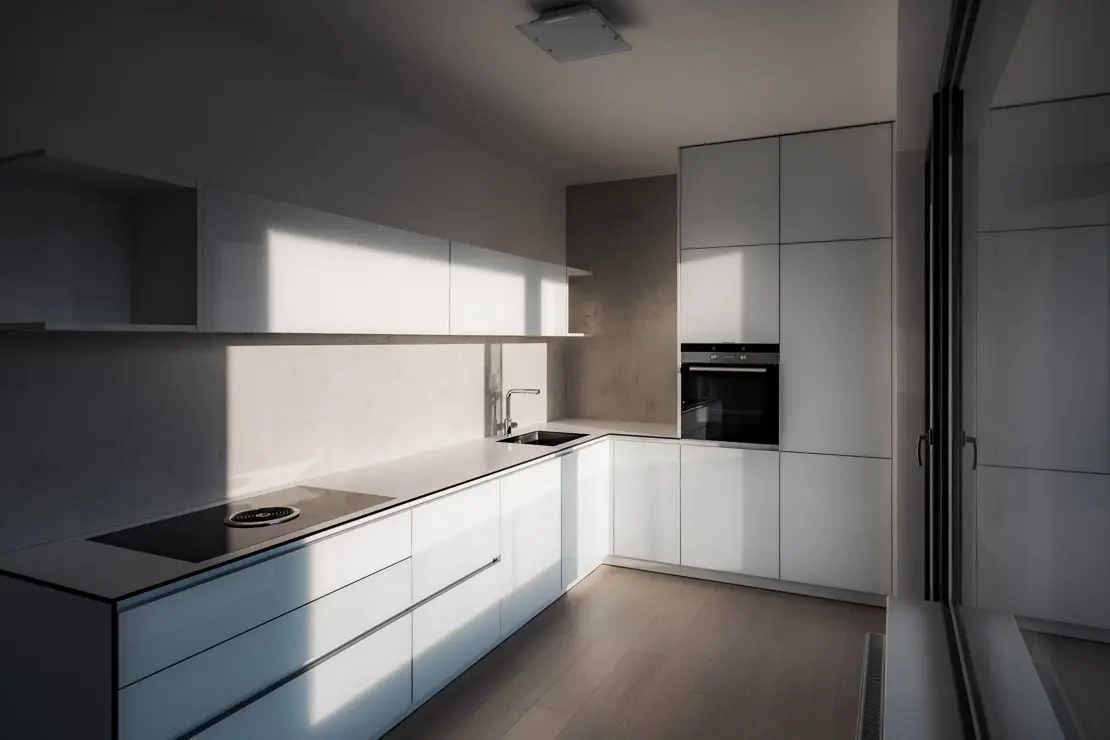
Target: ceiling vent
{"x": 575, "y": 32}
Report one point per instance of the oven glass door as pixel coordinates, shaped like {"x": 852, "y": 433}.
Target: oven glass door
{"x": 731, "y": 403}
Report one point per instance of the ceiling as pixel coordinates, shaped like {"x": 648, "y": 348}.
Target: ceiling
{"x": 699, "y": 71}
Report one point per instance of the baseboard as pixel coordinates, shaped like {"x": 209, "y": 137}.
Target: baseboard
{"x": 769, "y": 584}
{"x": 1063, "y": 629}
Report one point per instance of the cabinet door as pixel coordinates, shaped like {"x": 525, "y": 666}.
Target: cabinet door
{"x": 836, "y": 348}
{"x": 499, "y": 294}
{"x": 455, "y": 536}
{"x": 356, "y": 694}
{"x": 1041, "y": 544}
{"x": 646, "y": 500}
{"x": 836, "y": 525}
{"x": 730, "y": 510}
{"x": 730, "y": 194}
{"x": 275, "y": 267}
{"x": 730, "y": 294}
{"x": 587, "y": 520}
{"x": 531, "y": 513}
{"x": 837, "y": 184}
{"x": 454, "y": 630}
{"x": 1043, "y": 389}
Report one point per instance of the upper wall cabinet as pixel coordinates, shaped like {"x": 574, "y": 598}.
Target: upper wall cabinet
{"x": 88, "y": 248}
{"x": 1039, "y": 166}
{"x": 837, "y": 184}
{"x": 730, "y": 294}
{"x": 730, "y": 194}
{"x": 836, "y": 348}
{"x": 499, "y": 294}
{"x": 276, "y": 267}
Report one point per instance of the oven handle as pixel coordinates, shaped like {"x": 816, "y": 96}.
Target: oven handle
{"x": 711, "y": 369}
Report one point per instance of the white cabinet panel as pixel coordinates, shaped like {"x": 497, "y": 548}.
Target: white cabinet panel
{"x": 184, "y": 696}
{"x": 837, "y": 184}
{"x": 730, "y": 510}
{"x": 587, "y": 510}
{"x": 836, "y": 525}
{"x": 1037, "y": 165}
{"x": 275, "y": 267}
{"x": 455, "y": 629}
{"x": 1043, "y": 387}
{"x": 357, "y": 694}
{"x": 499, "y": 294}
{"x": 455, "y": 536}
{"x": 1043, "y": 544}
{"x": 646, "y": 500}
{"x": 730, "y": 194}
{"x": 730, "y": 294}
{"x": 162, "y": 632}
{"x": 531, "y": 513}
{"x": 836, "y": 348}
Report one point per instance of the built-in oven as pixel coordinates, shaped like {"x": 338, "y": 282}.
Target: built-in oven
{"x": 730, "y": 393}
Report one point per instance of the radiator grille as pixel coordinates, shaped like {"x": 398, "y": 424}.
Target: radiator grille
{"x": 869, "y": 725}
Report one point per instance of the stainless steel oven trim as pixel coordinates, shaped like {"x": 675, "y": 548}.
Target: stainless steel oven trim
{"x": 724, "y": 369}
{"x": 734, "y": 358}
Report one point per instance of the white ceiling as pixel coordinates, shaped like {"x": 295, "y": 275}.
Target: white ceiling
{"x": 699, "y": 71}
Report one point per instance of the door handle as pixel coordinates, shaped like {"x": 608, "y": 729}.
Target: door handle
{"x": 974, "y": 442}
{"x": 921, "y": 439}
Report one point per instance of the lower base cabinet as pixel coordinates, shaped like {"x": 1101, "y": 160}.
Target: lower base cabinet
{"x": 587, "y": 510}
{"x": 531, "y": 545}
{"x": 646, "y": 500}
{"x": 836, "y": 521}
{"x": 356, "y": 694}
{"x": 453, "y": 630}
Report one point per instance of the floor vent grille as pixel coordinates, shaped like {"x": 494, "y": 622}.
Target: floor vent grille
{"x": 869, "y": 725}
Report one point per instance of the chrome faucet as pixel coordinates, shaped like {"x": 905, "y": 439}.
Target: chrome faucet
{"x": 508, "y": 425}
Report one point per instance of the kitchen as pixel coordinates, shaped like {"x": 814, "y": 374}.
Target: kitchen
{"x": 331, "y": 384}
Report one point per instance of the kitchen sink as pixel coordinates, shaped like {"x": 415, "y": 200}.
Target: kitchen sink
{"x": 547, "y": 439}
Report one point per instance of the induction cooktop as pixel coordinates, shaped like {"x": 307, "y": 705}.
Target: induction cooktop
{"x": 227, "y": 528}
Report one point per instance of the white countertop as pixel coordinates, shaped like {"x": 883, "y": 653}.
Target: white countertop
{"x": 111, "y": 573}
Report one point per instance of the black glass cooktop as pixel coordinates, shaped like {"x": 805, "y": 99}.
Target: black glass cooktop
{"x": 221, "y": 530}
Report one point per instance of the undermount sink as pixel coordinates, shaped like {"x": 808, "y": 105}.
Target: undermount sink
{"x": 547, "y": 439}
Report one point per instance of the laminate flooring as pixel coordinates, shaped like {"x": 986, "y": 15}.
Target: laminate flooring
{"x": 631, "y": 654}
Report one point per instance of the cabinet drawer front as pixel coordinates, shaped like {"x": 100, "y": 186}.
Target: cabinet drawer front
{"x": 455, "y": 629}
{"x": 356, "y": 694}
{"x": 455, "y": 536}
{"x": 173, "y": 701}
{"x": 170, "y": 629}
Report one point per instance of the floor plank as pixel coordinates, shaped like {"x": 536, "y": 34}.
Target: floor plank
{"x": 538, "y": 723}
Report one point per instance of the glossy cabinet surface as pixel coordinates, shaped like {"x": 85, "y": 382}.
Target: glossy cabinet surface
{"x": 587, "y": 510}
{"x": 646, "y": 500}
{"x": 275, "y": 267}
{"x": 730, "y": 510}
{"x": 837, "y": 184}
{"x": 454, "y": 536}
{"x": 730, "y": 194}
{"x": 836, "y": 348}
{"x": 531, "y": 567}
{"x": 496, "y": 294}
{"x": 836, "y": 521}
{"x": 729, "y": 294}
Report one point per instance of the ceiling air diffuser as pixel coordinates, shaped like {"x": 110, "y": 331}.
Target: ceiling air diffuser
{"x": 575, "y": 32}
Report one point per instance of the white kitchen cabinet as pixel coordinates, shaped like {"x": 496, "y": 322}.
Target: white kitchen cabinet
{"x": 730, "y": 294}
{"x": 1043, "y": 385}
{"x": 275, "y": 267}
{"x": 836, "y": 522}
{"x": 646, "y": 500}
{"x": 730, "y": 510}
{"x": 531, "y": 568}
{"x": 730, "y": 193}
{"x": 453, "y": 630}
{"x": 1042, "y": 544}
{"x": 836, "y": 185}
{"x": 455, "y": 536}
{"x": 587, "y": 510}
{"x": 836, "y": 348}
{"x": 356, "y": 694}
{"x": 499, "y": 294}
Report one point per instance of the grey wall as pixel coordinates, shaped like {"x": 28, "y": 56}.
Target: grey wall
{"x": 625, "y": 233}
{"x": 99, "y": 430}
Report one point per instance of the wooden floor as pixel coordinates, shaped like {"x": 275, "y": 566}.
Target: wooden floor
{"x": 632, "y": 654}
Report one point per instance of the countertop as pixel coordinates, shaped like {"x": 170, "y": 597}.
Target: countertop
{"x": 112, "y": 574}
